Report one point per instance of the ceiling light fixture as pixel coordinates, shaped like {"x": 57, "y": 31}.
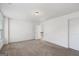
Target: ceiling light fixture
{"x": 36, "y": 12}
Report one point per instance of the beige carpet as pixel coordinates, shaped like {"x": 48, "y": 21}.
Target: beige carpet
{"x": 36, "y": 48}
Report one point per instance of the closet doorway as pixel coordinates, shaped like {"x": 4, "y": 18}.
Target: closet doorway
{"x": 74, "y": 33}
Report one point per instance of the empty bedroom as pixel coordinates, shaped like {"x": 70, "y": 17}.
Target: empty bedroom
{"x": 39, "y": 29}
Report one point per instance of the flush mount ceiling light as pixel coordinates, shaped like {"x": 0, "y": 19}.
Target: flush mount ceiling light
{"x": 36, "y": 12}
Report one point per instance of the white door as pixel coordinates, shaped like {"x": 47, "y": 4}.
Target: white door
{"x": 74, "y": 33}
{"x": 39, "y": 32}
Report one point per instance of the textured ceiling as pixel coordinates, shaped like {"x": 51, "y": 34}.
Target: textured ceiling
{"x": 46, "y": 10}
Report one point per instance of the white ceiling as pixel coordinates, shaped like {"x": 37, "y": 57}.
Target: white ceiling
{"x": 47, "y": 10}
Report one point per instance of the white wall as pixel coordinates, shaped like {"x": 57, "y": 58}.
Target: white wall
{"x": 19, "y": 30}
{"x": 56, "y": 29}
{"x": 74, "y": 33}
